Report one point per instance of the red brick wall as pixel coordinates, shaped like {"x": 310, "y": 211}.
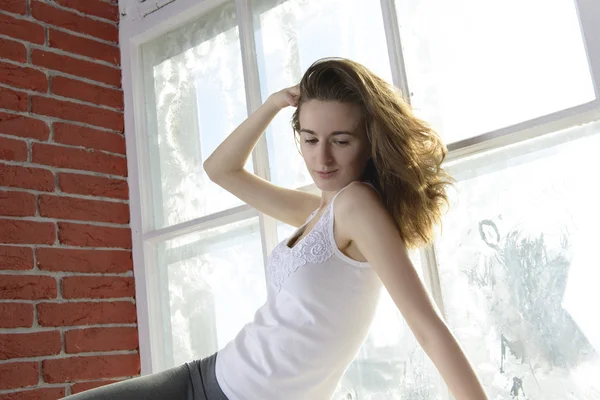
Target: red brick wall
{"x": 67, "y": 312}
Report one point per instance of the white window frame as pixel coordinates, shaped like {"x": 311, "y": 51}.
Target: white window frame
{"x": 142, "y": 21}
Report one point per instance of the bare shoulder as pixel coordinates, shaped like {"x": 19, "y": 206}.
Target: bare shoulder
{"x": 359, "y": 208}
{"x": 357, "y": 196}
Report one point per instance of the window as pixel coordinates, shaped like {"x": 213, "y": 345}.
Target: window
{"x": 516, "y": 262}
{"x": 512, "y": 87}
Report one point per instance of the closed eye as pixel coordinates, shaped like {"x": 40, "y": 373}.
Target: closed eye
{"x": 338, "y": 142}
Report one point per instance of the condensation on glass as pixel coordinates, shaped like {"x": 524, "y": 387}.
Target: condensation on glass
{"x": 195, "y": 97}
{"x": 211, "y": 283}
{"x": 519, "y": 268}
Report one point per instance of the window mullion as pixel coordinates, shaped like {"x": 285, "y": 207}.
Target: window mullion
{"x": 400, "y": 80}
{"x": 511, "y": 135}
{"x": 140, "y": 197}
{"x": 589, "y": 14}
{"x": 260, "y": 156}
{"x": 394, "y": 45}
{"x": 432, "y": 275}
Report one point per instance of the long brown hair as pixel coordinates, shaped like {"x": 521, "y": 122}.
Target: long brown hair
{"x": 406, "y": 152}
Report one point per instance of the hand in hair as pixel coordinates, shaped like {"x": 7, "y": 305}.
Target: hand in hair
{"x": 286, "y": 97}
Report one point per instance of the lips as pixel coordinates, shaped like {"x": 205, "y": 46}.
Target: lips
{"x": 325, "y": 174}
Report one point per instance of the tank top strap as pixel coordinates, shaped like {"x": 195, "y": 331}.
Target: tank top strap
{"x": 329, "y": 225}
{"x": 312, "y": 214}
{"x": 342, "y": 189}
{"x": 331, "y": 211}
{"x": 336, "y": 195}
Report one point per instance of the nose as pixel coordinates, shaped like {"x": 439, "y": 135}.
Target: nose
{"x": 324, "y": 156}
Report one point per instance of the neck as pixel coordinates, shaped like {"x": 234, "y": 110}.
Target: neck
{"x": 326, "y": 198}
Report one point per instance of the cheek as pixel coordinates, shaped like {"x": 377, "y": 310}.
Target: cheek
{"x": 304, "y": 149}
{"x": 353, "y": 156}
{"x": 306, "y": 153}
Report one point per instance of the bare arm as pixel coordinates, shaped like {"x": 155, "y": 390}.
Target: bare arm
{"x": 232, "y": 154}
{"x": 225, "y": 167}
{"x": 372, "y": 229}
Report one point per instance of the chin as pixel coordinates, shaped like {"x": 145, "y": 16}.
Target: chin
{"x": 325, "y": 186}
{"x": 330, "y": 185}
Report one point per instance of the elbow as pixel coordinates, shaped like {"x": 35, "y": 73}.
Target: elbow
{"x": 215, "y": 170}
{"x": 209, "y": 169}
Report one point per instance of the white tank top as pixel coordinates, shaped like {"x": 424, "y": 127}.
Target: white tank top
{"x": 320, "y": 304}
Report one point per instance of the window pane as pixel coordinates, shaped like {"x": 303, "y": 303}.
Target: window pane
{"x": 195, "y": 97}
{"x": 290, "y": 36}
{"x": 519, "y": 266}
{"x": 212, "y": 283}
{"x": 391, "y": 364}
{"x": 475, "y": 66}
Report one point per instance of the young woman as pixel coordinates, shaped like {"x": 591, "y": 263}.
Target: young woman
{"x": 383, "y": 191}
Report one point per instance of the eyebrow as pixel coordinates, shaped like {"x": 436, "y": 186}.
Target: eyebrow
{"x": 335, "y": 133}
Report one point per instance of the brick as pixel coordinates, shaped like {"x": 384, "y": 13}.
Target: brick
{"x": 18, "y": 125}
{"x": 19, "y": 374}
{"x": 22, "y": 29}
{"x": 89, "y": 160}
{"x": 74, "y": 66}
{"x": 12, "y": 150}
{"x": 62, "y": 207}
{"x": 14, "y": 6}
{"x": 16, "y": 204}
{"x": 27, "y": 232}
{"x": 98, "y": 287}
{"x": 23, "y": 77}
{"x": 16, "y": 315}
{"x": 83, "y": 386}
{"x": 75, "y": 135}
{"x": 86, "y": 92}
{"x": 77, "y": 112}
{"x": 74, "y": 22}
{"x": 84, "y": 47}
{"x": 86, "y": 313}
{"x": 82, "y": 235}
{"x": 101, "y": 339}
{"x": 26, "y": 178}
{"x": 12, "y": 50}
{"x": 92, "y": 367}
{"x": 16, "y": 258}
{"x": 98, "y": 8}
{"x": 13, "y": 100}
{"x": 36, "y": 394}
{"x": 91, "y": 261}
{"x": 27, "y": 287}
{"x": 93, "y": 185}
{"x": 21, "y": 345}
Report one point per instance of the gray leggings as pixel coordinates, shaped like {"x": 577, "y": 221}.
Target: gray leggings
{"x": 195, "y": 380}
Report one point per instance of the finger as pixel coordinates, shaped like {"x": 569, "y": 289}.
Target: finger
{"x": 290, "y": 99}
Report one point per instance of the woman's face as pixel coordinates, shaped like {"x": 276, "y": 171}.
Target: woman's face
{"x": 333, "y": 142}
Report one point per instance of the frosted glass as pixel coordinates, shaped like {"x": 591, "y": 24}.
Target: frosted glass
{"x": 196, "y": 97}
{"x": 212, "y": 283}
{"x": 519, "y": 266}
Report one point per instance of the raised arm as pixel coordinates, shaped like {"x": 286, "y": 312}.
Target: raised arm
{"x": 225, "y": 167}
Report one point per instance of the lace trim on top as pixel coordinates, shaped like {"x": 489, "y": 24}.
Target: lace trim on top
{"x": 315, "y": 247}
